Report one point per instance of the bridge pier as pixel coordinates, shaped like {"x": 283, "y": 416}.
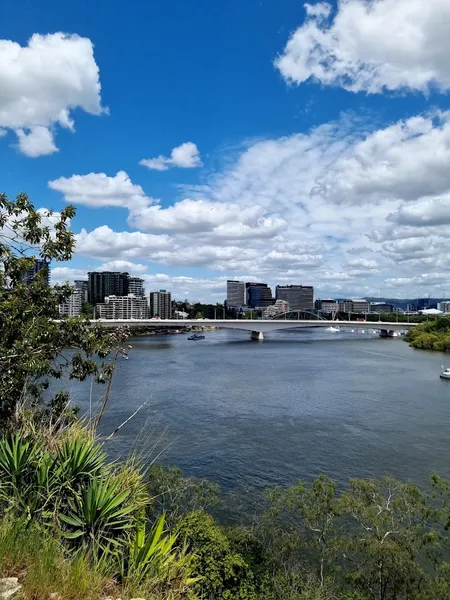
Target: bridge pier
{"x": 257, "y": 335}
{"x": 388, "y": 333}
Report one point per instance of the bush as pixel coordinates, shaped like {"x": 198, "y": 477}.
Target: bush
{"x": 224, "y": 574}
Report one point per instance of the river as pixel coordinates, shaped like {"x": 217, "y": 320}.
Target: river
{"x": 259, "y": 414}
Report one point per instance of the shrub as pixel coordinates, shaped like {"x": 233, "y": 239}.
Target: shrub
{"x": 224, "y": 574}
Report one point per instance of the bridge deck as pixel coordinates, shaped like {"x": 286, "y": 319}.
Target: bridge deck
{"x": 257, "y": 325}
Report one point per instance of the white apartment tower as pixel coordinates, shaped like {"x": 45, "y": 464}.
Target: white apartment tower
{"x": 123, "y": 307}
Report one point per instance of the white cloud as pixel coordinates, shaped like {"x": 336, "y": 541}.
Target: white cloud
{"x": 364, "y": 263}
{"x": 371, "y": 45}
{"x": 37, "y": 142}
{"x": 427, "y": 212}
{"x": 98, "y": 190}
{"x": 404, "y": 161}
{"x": 219, "y": 219}
{"x": 186, "y": 156}
{"x": 122, "y": 265}
{"x": 103, "y": 242}
{"x": 41, "y": 83}
{"x": 63, "y": 274}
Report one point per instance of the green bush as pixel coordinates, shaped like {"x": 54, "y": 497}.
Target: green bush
{"x": 224, "y": 574}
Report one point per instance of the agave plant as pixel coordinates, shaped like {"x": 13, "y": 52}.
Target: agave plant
{"x": 101, "y": 514}
{"x": 18, "y": 459}
{"x": 80, "y": 459}
{"x": 29, "y": 480}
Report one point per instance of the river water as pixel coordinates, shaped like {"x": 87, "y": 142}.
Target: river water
{"x": 259, "y": 414}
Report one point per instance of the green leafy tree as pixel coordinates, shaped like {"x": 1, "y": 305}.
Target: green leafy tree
{"x": 33, "y": 344}
{"x": 225, "y": 575}
{"x": 383, "y": 555}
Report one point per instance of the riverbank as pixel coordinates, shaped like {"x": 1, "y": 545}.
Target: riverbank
{"x": 432, "y": 335}
{"x": 156, "y": 331}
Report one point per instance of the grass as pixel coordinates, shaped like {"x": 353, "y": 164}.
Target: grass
{"x": 42, "y": 566}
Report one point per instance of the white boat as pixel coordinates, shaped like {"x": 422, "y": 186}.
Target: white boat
{"x": 445, "y": 373}
{"x": 332, "y": 329}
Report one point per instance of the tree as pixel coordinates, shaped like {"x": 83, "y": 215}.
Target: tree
{"x": 384, "y": 552}
{"x": 225, "y": 575}
{"x": 33, "y": 344}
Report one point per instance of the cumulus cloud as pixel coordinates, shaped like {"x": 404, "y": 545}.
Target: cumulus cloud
{"x": 363, "y": 263}
{"x": 427, "y": 212}
{"x": 371, "y": 46}
{"x": 97, "y": 190}
{"x": 103, "y": 242}
{"x": 404, "y": 161}
{"x": 221, "y": 220}
{"x": 122, "y": 265}
{"x": 63, "y": 274}
{"x": 41, "y": 83}
{"x": 37, "y": 142}
{"x": 186, "y": 156}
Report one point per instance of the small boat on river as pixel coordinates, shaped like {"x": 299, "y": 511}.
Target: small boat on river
{"x": 332, "y": 329}
{"x": 445, "y": 373}
{"x": 196, "y": 337}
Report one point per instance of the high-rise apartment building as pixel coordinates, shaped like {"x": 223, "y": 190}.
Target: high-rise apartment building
{"x": 122, "y": 307}
{"x": 40, "y": 266}
{"x": 71, "y": 307}
{"x": 259, "y": 295}
{"x": 136, "y": 286}
{"x": 160, "y": 303}
{"x": 106, "y": 283}
{"x": 299, "y": 297}
{"x": 235, "y": 294}
{"x": 82, "y": 286}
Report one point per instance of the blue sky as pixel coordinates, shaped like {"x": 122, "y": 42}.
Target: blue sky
{"x": 312, "y": 140}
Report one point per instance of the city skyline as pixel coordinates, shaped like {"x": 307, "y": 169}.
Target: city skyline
{"x": 278, "y": 152}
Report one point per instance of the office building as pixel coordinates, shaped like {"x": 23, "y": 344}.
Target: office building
{"x": 136, "y": 286}
{"x": 106, "y": 283}
{"x": 235, "y": 294}
{"x": 71, "y": 307}
{"x": 360, "y": 306}
{"x": 354, "y": 306}
{"x": 299, "y": 297}
{"x": 381, "y": 307}
{"x": 40, "y": 266}
{"x": 160, "y": 303}
{"x": 122, "y": 307}
{"x": 82, "y": 286}
{"x": 327, "y": 306}
{"x": 259, "y": 295}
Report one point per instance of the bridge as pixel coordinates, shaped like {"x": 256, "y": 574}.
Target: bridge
{"x": 257, "y": 327}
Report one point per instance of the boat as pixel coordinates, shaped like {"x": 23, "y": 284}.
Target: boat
{"x": 332, "y": 329}
{"x": 445, "y": 373}
{"x": 196, "y": 337}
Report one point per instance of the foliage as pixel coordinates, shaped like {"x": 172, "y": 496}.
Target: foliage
{"x": 32, "y": 343}
{"x": 432, "y": 335}
{"x": 174, "y": 495}
{"x": 224, "y": 574}
{"x": 99, "y": 513}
